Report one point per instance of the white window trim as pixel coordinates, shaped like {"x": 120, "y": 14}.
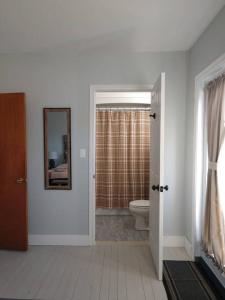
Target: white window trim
{"x": 199, "y": 168}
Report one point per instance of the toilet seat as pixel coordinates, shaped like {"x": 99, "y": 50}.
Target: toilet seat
{"x": 140, "y": 203}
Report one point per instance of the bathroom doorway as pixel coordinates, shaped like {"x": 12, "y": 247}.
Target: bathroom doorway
{"x": 156, "y": 185}
{"x": 114, "y": 100}
{"x": 122, "y": 166}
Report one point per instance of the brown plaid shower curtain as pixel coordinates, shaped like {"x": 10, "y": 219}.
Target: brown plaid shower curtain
{"x": 122, "y": 157}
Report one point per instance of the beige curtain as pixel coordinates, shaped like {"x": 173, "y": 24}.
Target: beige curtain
{"x": 214, "y": 223}
{"x": 122, "y": 157}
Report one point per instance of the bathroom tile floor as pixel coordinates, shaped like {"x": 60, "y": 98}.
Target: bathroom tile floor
{"x": 118, "y": 228}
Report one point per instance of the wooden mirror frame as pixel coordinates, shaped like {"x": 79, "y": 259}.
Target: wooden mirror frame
{"x": 46, "y": 161}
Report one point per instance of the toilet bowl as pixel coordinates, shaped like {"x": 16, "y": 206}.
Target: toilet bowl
{"x": 140, "y": 211}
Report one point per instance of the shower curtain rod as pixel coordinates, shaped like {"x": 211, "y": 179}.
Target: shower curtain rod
{"x": 123, "y": 108}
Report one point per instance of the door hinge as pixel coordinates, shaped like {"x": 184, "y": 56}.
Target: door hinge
{"x": 155, "y": 187}
{"x": 153, "y": 115}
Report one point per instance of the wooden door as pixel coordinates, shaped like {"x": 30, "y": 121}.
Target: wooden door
{"x": 13, "y": 187}
{"x": 157, "y": 185}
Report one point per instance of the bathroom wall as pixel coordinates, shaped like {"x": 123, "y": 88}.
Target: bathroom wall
{"x": 63, "y": 79}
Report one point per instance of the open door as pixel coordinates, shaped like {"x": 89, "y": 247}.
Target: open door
{"x": 13, "y": 187}
{"x": 157, "y": 185}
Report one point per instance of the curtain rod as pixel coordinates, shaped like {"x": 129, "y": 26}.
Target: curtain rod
{"x": 122, "y": 108}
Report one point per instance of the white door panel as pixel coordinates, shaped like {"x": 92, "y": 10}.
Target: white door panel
{"x": 157, "y": 174}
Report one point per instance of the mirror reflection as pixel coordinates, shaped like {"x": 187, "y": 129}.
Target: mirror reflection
{"x": 57, "y": 148}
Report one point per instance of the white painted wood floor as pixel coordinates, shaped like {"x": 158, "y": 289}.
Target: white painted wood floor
{"x": 175, "y": 253}
{"x": 104, "y": 272}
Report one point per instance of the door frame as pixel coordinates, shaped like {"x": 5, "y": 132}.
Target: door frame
{"x": 92, "y": 143}
{"x": 199, "y": 151}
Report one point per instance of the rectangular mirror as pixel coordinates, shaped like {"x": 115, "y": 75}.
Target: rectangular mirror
{"x": 57, "y": 148}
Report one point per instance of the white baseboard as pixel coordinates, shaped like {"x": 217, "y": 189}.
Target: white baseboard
{"x": 173, "y": 241}
{"x": 85, "y": 240}
{"x": 59, "y": 239}
{"x": 188, "y": 247}
{"x": 178, "y": 241}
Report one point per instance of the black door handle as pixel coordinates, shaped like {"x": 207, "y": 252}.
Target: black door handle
{"x": 162, "y": 188}
{"x": 155, "y": 187}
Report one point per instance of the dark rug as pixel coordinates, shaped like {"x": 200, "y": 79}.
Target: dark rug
{"x": 184, "y": 281}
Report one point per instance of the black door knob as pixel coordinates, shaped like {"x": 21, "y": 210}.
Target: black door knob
{"x": 162, "y": 188}
{"x": 155, "y": 187}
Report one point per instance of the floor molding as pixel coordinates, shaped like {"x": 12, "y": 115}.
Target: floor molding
{"x": 85, "y": 240}
{"x": 188, "y": 247}
{"x": 59, "y": 239}
{"x": 122, "y": 243}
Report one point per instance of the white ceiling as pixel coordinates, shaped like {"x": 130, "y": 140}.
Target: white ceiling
{"x": 142, "y": 25}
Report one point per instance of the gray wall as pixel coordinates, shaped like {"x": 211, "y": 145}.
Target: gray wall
{"x": 209, "y": 47}
{"x": 58, "y": 80}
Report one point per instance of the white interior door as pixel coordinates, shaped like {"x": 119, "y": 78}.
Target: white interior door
{"x": 157, "y": 185}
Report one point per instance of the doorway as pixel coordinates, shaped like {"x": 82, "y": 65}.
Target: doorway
{"x": 122, "y": 166}
{"x": 102, "y": 95}
{"x": 157, "y": 187}
{"x": 107, "y": 100}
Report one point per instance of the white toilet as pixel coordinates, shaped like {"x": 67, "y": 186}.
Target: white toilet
{"x": 140, "y": 210}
